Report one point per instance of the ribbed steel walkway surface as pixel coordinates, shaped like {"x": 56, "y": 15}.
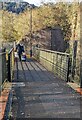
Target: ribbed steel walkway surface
{"x": 37, "y": 93}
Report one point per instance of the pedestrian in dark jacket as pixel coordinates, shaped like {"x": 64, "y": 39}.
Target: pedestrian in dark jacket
{"x": 19, "y": 50}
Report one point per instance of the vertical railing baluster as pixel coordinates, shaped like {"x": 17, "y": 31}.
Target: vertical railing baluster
{"x": 61, "y": 67}
{"x": 68, "y": 69}
{"x": 58, "y": 64}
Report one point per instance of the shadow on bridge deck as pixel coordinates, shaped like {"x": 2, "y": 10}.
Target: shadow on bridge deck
{"x": 37, "y": 93}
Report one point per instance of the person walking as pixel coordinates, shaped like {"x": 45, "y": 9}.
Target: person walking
{"x": 19, "y": 50}
{"x": 16, "y": 61}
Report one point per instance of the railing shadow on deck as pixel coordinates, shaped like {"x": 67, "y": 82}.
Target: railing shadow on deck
{"x": 35, "y": 81}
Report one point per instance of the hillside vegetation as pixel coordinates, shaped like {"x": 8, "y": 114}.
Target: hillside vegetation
{"x": 16, "y": 24}
{"x": 49, "y": 15}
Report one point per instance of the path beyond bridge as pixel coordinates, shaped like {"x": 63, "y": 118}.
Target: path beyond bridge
{"x": 37, "y": 93}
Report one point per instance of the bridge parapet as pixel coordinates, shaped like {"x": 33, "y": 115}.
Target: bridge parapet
{"x": 10, "y": 62}
{"x": 54, "y": 61}
{"x": 3, "y": 74}
{"x": 6, "y": 67}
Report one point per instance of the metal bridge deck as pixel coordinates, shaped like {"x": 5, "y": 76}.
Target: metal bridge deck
{"x": 37, "y": 93}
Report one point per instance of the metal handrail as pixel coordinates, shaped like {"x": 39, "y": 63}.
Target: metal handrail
{"x": 3, "y": 69}
{"x": 10, "y": 65}
{"x": 6, "y": 67}
{"x": 51, "y": 51}
{"x": 54, "y": 61}
{"x": 2, "y": 53}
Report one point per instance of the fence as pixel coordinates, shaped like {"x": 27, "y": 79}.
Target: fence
{"x": 3, "y": 69}
{"x": 57, "y": 62}
{"x": 10, "y": 64}
{"x": 6, "y": 67}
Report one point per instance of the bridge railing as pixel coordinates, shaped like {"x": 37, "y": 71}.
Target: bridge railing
{"x": 54, "y": 61}
{"x": 3, "y": 69}
{"x": 6, "y": 67}
{"x": 10, "y": 64}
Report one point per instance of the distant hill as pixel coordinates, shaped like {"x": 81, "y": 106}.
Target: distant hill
{"x": 15, "y": 7}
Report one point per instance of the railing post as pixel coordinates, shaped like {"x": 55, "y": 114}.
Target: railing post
{"x": 74, "y": 58}
{"x": 9, "y": 69}
{"x": 68, "y": 70}
{"x": 57, "y": 64}
{"x": 53, "y": 69}
{"x": 61, "y": 67}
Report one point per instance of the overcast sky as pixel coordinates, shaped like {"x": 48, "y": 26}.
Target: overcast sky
{"x": 38, "y": 2}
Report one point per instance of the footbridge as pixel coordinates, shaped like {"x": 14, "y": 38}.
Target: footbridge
{"x": 38, "y": 87}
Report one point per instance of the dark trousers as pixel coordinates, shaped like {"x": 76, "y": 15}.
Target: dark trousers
{"x": 19, "y": 56}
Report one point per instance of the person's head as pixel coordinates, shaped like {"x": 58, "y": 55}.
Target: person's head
{"x": 19, "y": 44}
{"x": 15, "y": 50}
